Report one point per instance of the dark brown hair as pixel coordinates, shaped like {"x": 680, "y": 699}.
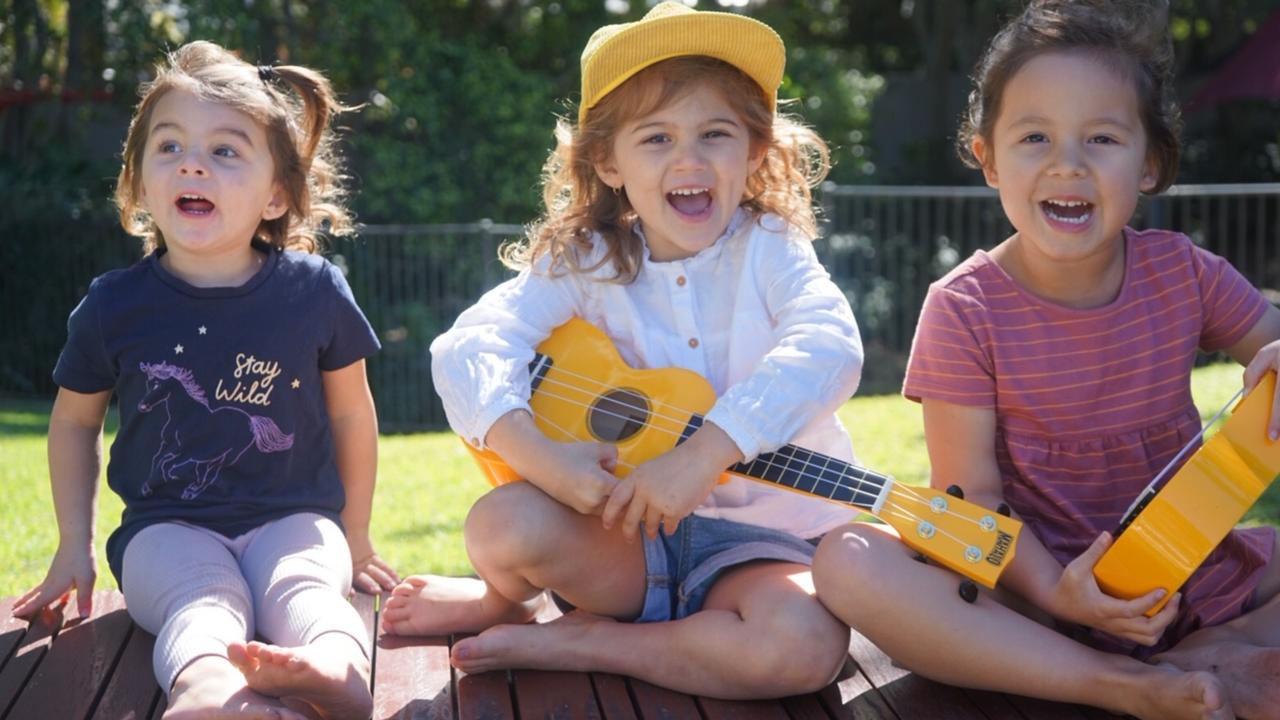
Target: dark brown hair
{"x": 579, "y": 204}
{"x": 294, "y": 105}
{"x": 1130, "y": 36}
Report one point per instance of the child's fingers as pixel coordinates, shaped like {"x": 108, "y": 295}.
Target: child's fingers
{"x": 84, "y": 597}
{"x": 1095, "y": 550}
{"x": 618, "y": 501}
{"x": 652, "y": 522}
{"x": 386, "y": 571}
{"x": 636, "y": 510}
{"x": 1273, "y": 425}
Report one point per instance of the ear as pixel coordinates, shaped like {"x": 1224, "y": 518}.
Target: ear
{"x": 608, "y": 173}
{"x": 1150, "y": 174}
{"x": 982, "y": 152}
{"x": 278, "y": 205}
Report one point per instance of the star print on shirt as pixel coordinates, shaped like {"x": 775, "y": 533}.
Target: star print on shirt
{"x": 295, "y": 384}
{"x": 203, "y": 330}
{"x": 177, "y": 349}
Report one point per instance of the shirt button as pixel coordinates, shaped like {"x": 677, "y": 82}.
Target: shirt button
{"x": 693, "y": 342}
{"x": 681, "y": 281}
{"x": 475, "y": 441}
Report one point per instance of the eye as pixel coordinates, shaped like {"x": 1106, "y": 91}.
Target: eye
{"x": 1103, "y": 140}
{"x": 226, "y": 151}
{"x": 713, "y": 134}
{"x": 1035, "y": 137}
{"x": 656, "y": 139}
{"x": 167, "y": 146}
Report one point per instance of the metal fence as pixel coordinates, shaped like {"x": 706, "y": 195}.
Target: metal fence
{"x": 883, "y": 246}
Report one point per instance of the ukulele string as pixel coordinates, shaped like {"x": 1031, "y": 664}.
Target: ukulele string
{"x": 804, "y": 471}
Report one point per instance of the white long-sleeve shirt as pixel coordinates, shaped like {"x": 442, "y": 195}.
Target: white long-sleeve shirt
{"x": 755, "y": 314}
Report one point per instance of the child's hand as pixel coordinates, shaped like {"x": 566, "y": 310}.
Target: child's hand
{"x": 369, "y": 572}
{"x": 663, "y": 491}
{"x": 1079, "y": 599}
{"x": 1267, "y": 358}
{"x": 70, "y": 568}
{"x": 579, "y": 474}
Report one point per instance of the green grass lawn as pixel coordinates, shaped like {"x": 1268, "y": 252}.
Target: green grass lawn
{"x": 427, "y": 482}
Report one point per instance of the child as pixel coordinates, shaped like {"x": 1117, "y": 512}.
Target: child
{"x": 1054, "y": 374}
{"x": 678, "y": 221}
{"x": 247, "y": 441}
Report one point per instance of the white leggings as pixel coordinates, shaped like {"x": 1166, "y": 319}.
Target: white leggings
{"x": 197, "y": 591}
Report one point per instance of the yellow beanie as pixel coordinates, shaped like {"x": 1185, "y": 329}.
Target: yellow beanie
{"x": 616, "y": 52}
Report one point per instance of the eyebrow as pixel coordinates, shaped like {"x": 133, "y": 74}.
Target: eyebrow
{"x": 1041, "y": 120}
{"x": 229, "y": 130}
{"x": 658, "y": 124}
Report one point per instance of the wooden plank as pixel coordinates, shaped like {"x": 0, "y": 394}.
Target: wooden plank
{"x": 714, "y": 709}
{"x": 83, "y": 656}
{"x": 11, "y": 631}
{"x": 909, "y": 695}
{"x": 853, "y": 695}
{"x": 132, "y": 693}
{"x": 612, "y": 696}
{"x": 484, "y": 696}
{"x": 28, "y": 654}
{"x": 411, "y": 676}
{"x": 656, "y": 703}
{"x": 554, "y": 695}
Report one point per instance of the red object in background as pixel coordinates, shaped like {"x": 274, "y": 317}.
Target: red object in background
{"x": 1253, "y": 72}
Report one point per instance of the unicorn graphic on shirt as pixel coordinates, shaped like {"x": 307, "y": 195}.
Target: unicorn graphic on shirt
{"x": 175, "y": 390}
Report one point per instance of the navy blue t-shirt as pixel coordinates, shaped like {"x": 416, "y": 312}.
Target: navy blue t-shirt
{"x": 222, "y": 413}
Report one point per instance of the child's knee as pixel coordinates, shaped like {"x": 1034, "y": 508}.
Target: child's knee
{"x": 510, "y": 525}
{"x": 848, "y": 561}
{"x": 809, "y": 646}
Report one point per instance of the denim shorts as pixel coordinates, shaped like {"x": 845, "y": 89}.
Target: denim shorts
{"x": 680, "y": 568}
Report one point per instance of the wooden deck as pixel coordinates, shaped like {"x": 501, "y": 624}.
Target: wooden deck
{"x": 101, "y": 668}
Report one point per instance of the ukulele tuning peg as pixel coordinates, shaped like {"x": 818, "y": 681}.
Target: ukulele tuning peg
{"x": 968, "y": 591}
{"x": 1003, "y": 509}
{"x": 956, "y": 491}
{"x": 920, "y": 558}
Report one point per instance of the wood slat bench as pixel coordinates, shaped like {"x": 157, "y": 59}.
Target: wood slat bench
{"x": 101, "y": 668}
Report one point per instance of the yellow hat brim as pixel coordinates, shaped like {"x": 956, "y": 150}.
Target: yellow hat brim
{"x": 617, "y": 52}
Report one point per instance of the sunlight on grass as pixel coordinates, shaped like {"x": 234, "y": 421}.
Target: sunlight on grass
{"x": 427, "y": 482}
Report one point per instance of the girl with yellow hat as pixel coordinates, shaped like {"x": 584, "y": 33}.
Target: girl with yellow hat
{"x": 678, "y": 220}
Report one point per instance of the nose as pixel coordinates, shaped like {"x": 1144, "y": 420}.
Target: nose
{"x": 1068, "y": 160}
{"x": 690, "y": 156}
{"x": 192, "y": 164}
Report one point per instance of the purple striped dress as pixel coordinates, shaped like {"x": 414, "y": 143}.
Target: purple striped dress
{"x": 1092, "y": 403}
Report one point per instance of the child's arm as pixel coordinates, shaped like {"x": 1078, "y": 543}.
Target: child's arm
{"x": 353, "y": 423}
{"x": 576, "y": 474}
{"x": 1259, "y": 351}
{"x": 75, "y": 460}
{"x": 961, "y": 442}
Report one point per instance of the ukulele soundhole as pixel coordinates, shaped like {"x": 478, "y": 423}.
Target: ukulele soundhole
{"x": 618, "y": 415}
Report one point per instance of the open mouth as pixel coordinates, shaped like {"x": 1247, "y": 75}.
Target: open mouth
{"x": 693, "y": 203}
{"x": 1068, "y": 212}
{"x": 193, "y": 204}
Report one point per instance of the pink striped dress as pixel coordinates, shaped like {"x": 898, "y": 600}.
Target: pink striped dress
{"x": 1092, "y": 403}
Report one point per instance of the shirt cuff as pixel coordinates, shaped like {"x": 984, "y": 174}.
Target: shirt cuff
{"x": 489, "y": 415}
{"x": 748, "y": 443}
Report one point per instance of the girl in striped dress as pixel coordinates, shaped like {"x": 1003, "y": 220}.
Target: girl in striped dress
{"x": 1054, "y": 375}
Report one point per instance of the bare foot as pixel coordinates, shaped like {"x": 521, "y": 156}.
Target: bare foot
{"x": 331, "y": 675}
{"x": 1174, "y": 693}
{"x": 1250, "y": 674}
{"x": 555, "y": 645}
{"x": 438, "y": 605}
{"x": 211, "y": 688}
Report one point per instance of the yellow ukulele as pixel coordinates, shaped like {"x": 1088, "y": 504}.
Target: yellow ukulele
{"x": 583, "y": 391}
{"x": 1168, "y": 532}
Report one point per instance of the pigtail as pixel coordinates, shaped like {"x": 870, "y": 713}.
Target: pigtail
{"x": 309, "y": 171}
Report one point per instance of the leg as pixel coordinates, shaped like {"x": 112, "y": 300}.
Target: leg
{"x": 1244, "y": 652}
{"x": 196, "y": 603}
{"x": 762, "y": 615}
{"x": 299, "y": 571}
{"x": 521, "y": 541}
{"x": 912, "y": 611}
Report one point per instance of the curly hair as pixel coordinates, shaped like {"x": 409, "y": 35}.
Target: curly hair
{"x": 294, "y": 105}
{"x": 578, "y": 204}
{"x": 1130, "y": 36}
